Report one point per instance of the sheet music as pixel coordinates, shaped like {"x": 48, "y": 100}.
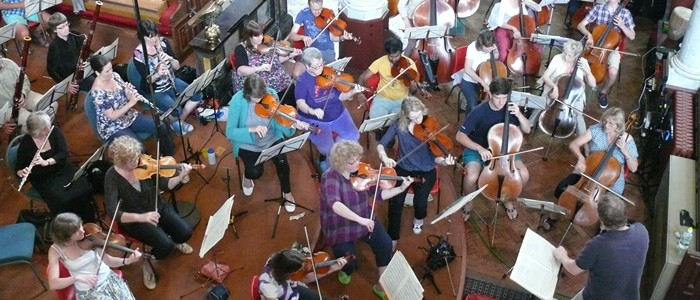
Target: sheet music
{"x": 536, "y": 269}
{"x": 399, "y": 281}
{"x": 216, "y": 227}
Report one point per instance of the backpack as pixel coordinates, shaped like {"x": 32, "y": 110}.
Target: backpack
{"x": 439, "y": 254}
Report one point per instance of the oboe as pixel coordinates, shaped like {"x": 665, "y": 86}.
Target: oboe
{"x": 84, "y": 52}
{"x": 136, "y": 94}
{"x": 171, "y": 74}
{"x": 31, "y": 165}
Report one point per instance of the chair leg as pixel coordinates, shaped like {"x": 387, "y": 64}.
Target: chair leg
{"x": 36, "y": 274}
{"x": 450, "y": 94}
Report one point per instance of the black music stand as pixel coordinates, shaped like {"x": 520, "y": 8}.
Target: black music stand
{"x": 544, "y": 207}
{"x": 7, "y": 33}
{"x": 215, "y": 74}
{"x": 234, "y": 217}
{"x": 287, "y": 146}
{"x": 551, "y": 41}
{"x": 53, "y": 94}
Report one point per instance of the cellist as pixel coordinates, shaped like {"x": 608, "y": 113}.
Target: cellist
{"x": 562, "y": 64}
{"x": 498, "y": 22}
{"x": 473, "y": 136}
{"x": 601, "y": 14}
{"x": 600, "y": 137}
{"x": 477, "y": 52}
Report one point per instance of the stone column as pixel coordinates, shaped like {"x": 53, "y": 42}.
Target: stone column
{"x": 685, "y": 65}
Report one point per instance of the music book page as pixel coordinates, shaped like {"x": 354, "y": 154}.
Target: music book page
{"x": 536, "y": 269}
{"x": 399, "y": 281}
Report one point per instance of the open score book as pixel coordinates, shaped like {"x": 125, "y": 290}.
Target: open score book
{"x": 536, "y": 269}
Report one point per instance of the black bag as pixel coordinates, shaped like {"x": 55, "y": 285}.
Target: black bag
{"x": 439, "y": 254}
{"x": 217, "y": 292}
{"x": 95, "y": 173}
{"x": 186, "y": 74}
{"x": 41, "y": 219}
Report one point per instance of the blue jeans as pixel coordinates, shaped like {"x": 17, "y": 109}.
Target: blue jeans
{"x": 380, "y": 242}
{"x": 470, "y": 90}
{"x": 145, "y": 124}
{"x": 166, "y": 99}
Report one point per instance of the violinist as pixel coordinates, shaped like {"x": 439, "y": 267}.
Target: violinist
{"x": 498, "y": 22}
{"x": 418, "y": 163}
{"x": 52, "y": 170}
{"x": 478, "y": 51}
{"x": 160, "y": 76}
{"x": 563, "y": 64}
{"x": 163, "y": 230}
{"x": 346, "y": 217}
{"x": 269, "y": 66}
{"x": 114, "y": 108}
{"x": 600, "y": 137}
{"x": 64, "y": 52}
{"x": 473, "y": 136}
{"x": 324, "y": 42}
{"x": 623, "y": 22}
{"x": 275, "y": 282}
{"x": 250, "y": 135}
{"x": 90, "y": 274}
{"x": 614, "y": 259}
{"x": 323, "y": 107}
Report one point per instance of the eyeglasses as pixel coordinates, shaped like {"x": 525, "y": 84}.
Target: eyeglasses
{"x": 354, "y": 161}
{"x": 63, "y": 26}
{"x": 316, "y": 67}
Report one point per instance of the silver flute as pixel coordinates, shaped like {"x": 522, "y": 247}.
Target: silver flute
{"x": 31, "y": 164}
{"x": 132, "y": 89}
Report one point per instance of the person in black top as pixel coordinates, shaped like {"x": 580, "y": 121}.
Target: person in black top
{"x": 64, "y": 51}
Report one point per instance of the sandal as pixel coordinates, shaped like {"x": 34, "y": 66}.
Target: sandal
{"x": 547, "y": 224}
{"x": 511, "y": 212}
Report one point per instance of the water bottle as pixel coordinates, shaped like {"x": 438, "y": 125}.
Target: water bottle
{"x": 212, "y": 156}
{"x": 684, "y": 241}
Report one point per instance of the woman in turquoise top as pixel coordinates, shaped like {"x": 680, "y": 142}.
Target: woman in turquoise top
{"x": 250, "y": 135}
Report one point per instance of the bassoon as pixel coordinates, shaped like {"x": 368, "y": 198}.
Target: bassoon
{"x": 84, "y": 52}
{"x": 19, "y": 86}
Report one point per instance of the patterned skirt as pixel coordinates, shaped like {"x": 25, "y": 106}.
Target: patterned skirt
{"x": 112, "y": 288}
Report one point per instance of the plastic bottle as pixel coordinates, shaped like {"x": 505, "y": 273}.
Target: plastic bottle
{"x": 684, "y": 241}
{"x": 212, "y": 156}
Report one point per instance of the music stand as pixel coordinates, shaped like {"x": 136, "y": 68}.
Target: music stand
{"x": 216, "y": 228}
{"x": 216, "y": 72}
{"x": 551, "y": 41}
{"x": 81, "y": 171}
{"x": 53, "y": 94}
{"x": 377, "y": 123}
{"x": 457, "y": 204}
{"x": 109, "y": 52}
{"x": 340, "y": 64}
{"x": 7, "y": 33}
{"x": 426, "y": 32}
{"x": 284, "y": 147}
{"x": 543, "y": 206}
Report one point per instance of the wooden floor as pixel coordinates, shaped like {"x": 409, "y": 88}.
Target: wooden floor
{"x": 178, "y": 274}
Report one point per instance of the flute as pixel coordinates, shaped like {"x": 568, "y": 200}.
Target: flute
{"x": 31, "y": 165}
{"x": 136, "y": 94}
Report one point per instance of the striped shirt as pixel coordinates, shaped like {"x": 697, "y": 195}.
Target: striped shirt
{"x": 601, "y": 14}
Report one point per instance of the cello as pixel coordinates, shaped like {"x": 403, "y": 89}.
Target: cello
{"x": 434, "y": 52}
{"x": 491, "y": 69}
{"x": 559, "y": 119}
{"x": 524, "y": 57}
{"x": 605, "y": 39}
{"x": 581, "y": 199}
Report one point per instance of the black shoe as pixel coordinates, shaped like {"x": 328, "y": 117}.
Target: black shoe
{"x": 603, "y": 100}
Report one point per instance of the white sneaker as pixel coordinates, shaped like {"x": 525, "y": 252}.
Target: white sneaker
{"x": 149, "y": 279}
{"x": 248, "y": 190}
{"x": 417, "y": 229}
{"x": 184, "y": 248}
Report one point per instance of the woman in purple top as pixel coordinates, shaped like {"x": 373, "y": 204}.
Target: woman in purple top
{"x": 323, "y": 107}
{"x": 346, "y": 215}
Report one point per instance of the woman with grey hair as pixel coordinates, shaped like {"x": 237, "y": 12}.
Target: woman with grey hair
{"x": 323, "y": 106}
{"x": 51, "y": 170}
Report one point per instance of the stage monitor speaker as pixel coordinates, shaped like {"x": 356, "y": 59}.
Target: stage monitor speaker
{"x": 372, "y": 34}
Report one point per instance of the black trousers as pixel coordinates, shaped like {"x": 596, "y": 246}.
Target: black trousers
{"x": 421, "y": 191}
{"x": 254, "y": 172}
{"x": 171, "y": 230}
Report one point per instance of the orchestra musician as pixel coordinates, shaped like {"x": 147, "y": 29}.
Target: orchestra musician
{"x": 417, "y": 164}
{"x": 142, "y": 214}
{"x": 325, "y": 41}
{"x": 64, "y": 52}
{"x": 614, "y": 259}
{"x": 250, "y": 135}
{"x": 498, "y": 22}
{"x": 473, "y": 136}
{"x": 323, "y": 107}
{"x": 159, "y": 76}
{"x": 275, "y": 282}
{"x": 9, "y": 73}
{"x": 13, "y": 12}
{"x": 269, "y": 66}
{"x": 563, "y": 64}
{"x": 51, "y": 169}
{"x": 624, "y": 23}
{"x": 478, "y": 52}
{"x": 90, "y": 274}
{"x": 345, "y": 216}
{"x": 114, "y": 110}
{"x": 389, "y": 99}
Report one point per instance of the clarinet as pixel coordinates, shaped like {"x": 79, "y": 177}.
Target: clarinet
{"x": 31, "y": 164}
{"x": 84, "y": 52}
{"x": 141, "y": 98}
{"x": 19, "y": 86}
{"x": 171, "y": 75}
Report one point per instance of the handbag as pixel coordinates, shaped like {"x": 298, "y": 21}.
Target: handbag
{"x": 215, "y": 271}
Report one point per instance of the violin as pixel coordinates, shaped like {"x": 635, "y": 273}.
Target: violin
{"x": 524, "y": 57}
{"x": 581, "y": 199}
{"x": 428, "y": 131}
{"x": 94, "y": 236}
{"x": 285, "y": 115}
{"x": 409, "y": 74}
{"x": 282, "y": 48}
{"x": 329, "y": 78}
{"x": 327, "y": 20}
{"x": 605, "y": 38}
{"x": 148, "y": 167}
{"x": 365, "y": 177}
{"x": 320, "y": 262}
{"x": 501, "y": 175}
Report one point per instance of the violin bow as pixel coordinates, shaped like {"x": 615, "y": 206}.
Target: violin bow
{"x": 328, "y": 24}
{"x": 577, "y": 110}
{"x": 374, "y": 198}
{"x": 423, "y": 143}
{"x": 274, "y": 47}
{"x": 313, "y": 264}
{"x": 383, "y": 87}
{"x": 516, "y": 153}
{"x": 606, "y": 188}
{"x": 109, "y": 232}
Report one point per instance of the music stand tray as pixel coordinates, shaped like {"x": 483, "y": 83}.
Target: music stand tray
{"x": 424, "y": 32}
{"x": 377, "y": 123}
{"x": 195, "y": 87}
{"x": 94, "y": 157}
{"x": 109, "y": 52}
{"x": 549, "y": 40}
{"x": 340, "y": 64}
{"x": 7, "y": 33}
{"x": 533, "y": 101}
{"x": 543, "y": 205}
